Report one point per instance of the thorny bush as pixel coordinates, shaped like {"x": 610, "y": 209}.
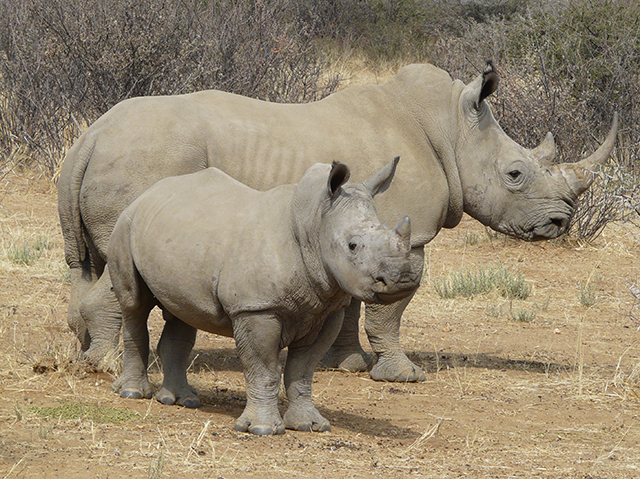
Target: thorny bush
{"x": 63, "y": 63}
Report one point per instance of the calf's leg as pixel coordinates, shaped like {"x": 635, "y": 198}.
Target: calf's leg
{"x": 301, "y": 414}
{"x": 133, "y": 382}
{"x": 175, "y": 345}
{"x": 258, "y": 339}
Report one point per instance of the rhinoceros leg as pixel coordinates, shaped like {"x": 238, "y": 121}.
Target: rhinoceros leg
{"x": 102, "y": 316}
{"x": 133, "y": 382}
{"x": 346, "y": 352}
{"x": 382, "y": 324}
{"x": 301, "y": 414}
{"x": 174, "y": 347}
{"x": 257, "y": 339}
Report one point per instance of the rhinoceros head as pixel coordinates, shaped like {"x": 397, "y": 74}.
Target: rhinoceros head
{"x": 512, "y": 189}
{"x": 367, "y": 259}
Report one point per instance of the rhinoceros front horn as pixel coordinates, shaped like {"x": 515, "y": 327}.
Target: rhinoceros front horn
{"x": 403, "y": 230}
{"x": 579, "y": 175}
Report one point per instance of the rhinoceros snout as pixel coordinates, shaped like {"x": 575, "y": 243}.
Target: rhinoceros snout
{"x": 390, "y": 289}
{"x": 556, "y": 226}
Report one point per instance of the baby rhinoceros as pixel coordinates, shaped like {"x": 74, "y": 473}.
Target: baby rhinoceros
{"x": 273, "y": 269}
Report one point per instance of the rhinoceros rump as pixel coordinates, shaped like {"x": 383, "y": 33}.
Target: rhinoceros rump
{"x": 273, "y": 269}
{"x": 455, "y": 159}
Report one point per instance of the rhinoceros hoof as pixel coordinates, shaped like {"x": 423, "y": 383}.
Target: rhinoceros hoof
{"x": 131, "y": 393}
{"x": 307, "y": 419}
{"x": 260, "y": 429}
{"x": 189, "y": 400}
{"x": 310, "y": 426}
{"x": 352, "y": 361}
{"x": 397, "y": 368}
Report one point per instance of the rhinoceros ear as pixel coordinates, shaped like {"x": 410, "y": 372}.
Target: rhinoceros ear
{"x": 338, "y": 176}
{"x": 490, "y": 80}
{"x": 381, "y": 179}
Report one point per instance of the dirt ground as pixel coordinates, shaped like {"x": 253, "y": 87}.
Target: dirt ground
{"x": 556, "y": 396}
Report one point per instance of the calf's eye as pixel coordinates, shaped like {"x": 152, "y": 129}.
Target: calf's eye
{"x": 352, "y": 246}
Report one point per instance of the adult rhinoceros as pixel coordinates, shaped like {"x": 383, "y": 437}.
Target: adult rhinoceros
{"x": 455, "y": 159}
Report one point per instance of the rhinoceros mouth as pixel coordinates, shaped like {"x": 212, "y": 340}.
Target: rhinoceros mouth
{"x": 383, "y": 292}
{"x": 555, "y": 227}
{"x": 392, "y": 297}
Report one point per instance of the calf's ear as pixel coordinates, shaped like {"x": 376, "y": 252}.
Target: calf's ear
{"x": 338, "y": 176}
{"x": 381, "y": 179}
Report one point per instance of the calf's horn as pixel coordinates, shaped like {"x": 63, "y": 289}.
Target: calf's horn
{"x": 403, "y": 229}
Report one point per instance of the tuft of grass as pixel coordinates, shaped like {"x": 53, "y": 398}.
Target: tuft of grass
{"x": 471, "y": 238}
{"x": 471, "y": 282}
{"x": 587, "y": 294}
{"x": 156, "y": 467}
{"x": 26, "y": 253}
{"x": 75, "y": 410}
{"x": 523, "y": 315}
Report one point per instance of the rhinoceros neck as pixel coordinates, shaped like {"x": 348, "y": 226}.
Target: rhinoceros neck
{"x": 306, "y": 221}
{"x": 430, "y": 99}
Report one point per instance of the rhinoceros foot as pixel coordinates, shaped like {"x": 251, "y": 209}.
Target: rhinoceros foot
{"x": 350, "y": 359}
{"x": 396, "y": 367}
{"x": 305, "y": 419}
{"x": 186, "y": 397}
{"x": 101, "y": 354}
{"x": 260, "y": 424}
{"x": 132, "y": 388}
{"x": 260, "y": 429}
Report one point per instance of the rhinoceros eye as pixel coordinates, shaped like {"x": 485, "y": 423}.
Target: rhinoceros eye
{"x": 352, "y": 246}
{"x": 515, "y": 174}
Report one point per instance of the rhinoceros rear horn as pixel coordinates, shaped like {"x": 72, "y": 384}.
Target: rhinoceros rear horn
{"x": 403, "y": 230}
{"x": 381, "y": 179}
{"x": 338, "y": 176}
{"x": 545, "y": 152}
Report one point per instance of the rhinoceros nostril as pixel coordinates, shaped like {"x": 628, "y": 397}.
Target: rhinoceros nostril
{"x": 382, "y": 280}
{"x": 559, "y": 223}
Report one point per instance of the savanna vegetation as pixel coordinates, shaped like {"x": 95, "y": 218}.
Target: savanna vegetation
{"x": 565, "y": 66}
{"x": 531, "y": 349}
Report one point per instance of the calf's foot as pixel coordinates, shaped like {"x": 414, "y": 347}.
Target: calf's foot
{"x": 260, "y": 424}
{"x": 395, "y": 366}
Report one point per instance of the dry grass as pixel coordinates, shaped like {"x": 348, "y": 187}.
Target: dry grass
{"x": 554, "y": 397}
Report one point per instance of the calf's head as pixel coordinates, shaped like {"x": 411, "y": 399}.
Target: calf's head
{"x": 367, "y": 259}
{"x": 512, "y": 189}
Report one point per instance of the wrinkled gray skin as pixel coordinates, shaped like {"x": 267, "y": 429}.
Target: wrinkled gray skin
{"x": 455, "y": 159}
{"x": 272, "y": 269}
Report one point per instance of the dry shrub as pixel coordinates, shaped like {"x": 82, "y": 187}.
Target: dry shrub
{"x": 565, "y": 67}
{"x": 67, "y": 62}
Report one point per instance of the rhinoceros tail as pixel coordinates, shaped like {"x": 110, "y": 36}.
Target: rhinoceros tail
{"x": 69, "y": 184}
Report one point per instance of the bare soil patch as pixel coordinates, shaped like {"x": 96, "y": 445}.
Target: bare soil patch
{"x": 557, "y": 396}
